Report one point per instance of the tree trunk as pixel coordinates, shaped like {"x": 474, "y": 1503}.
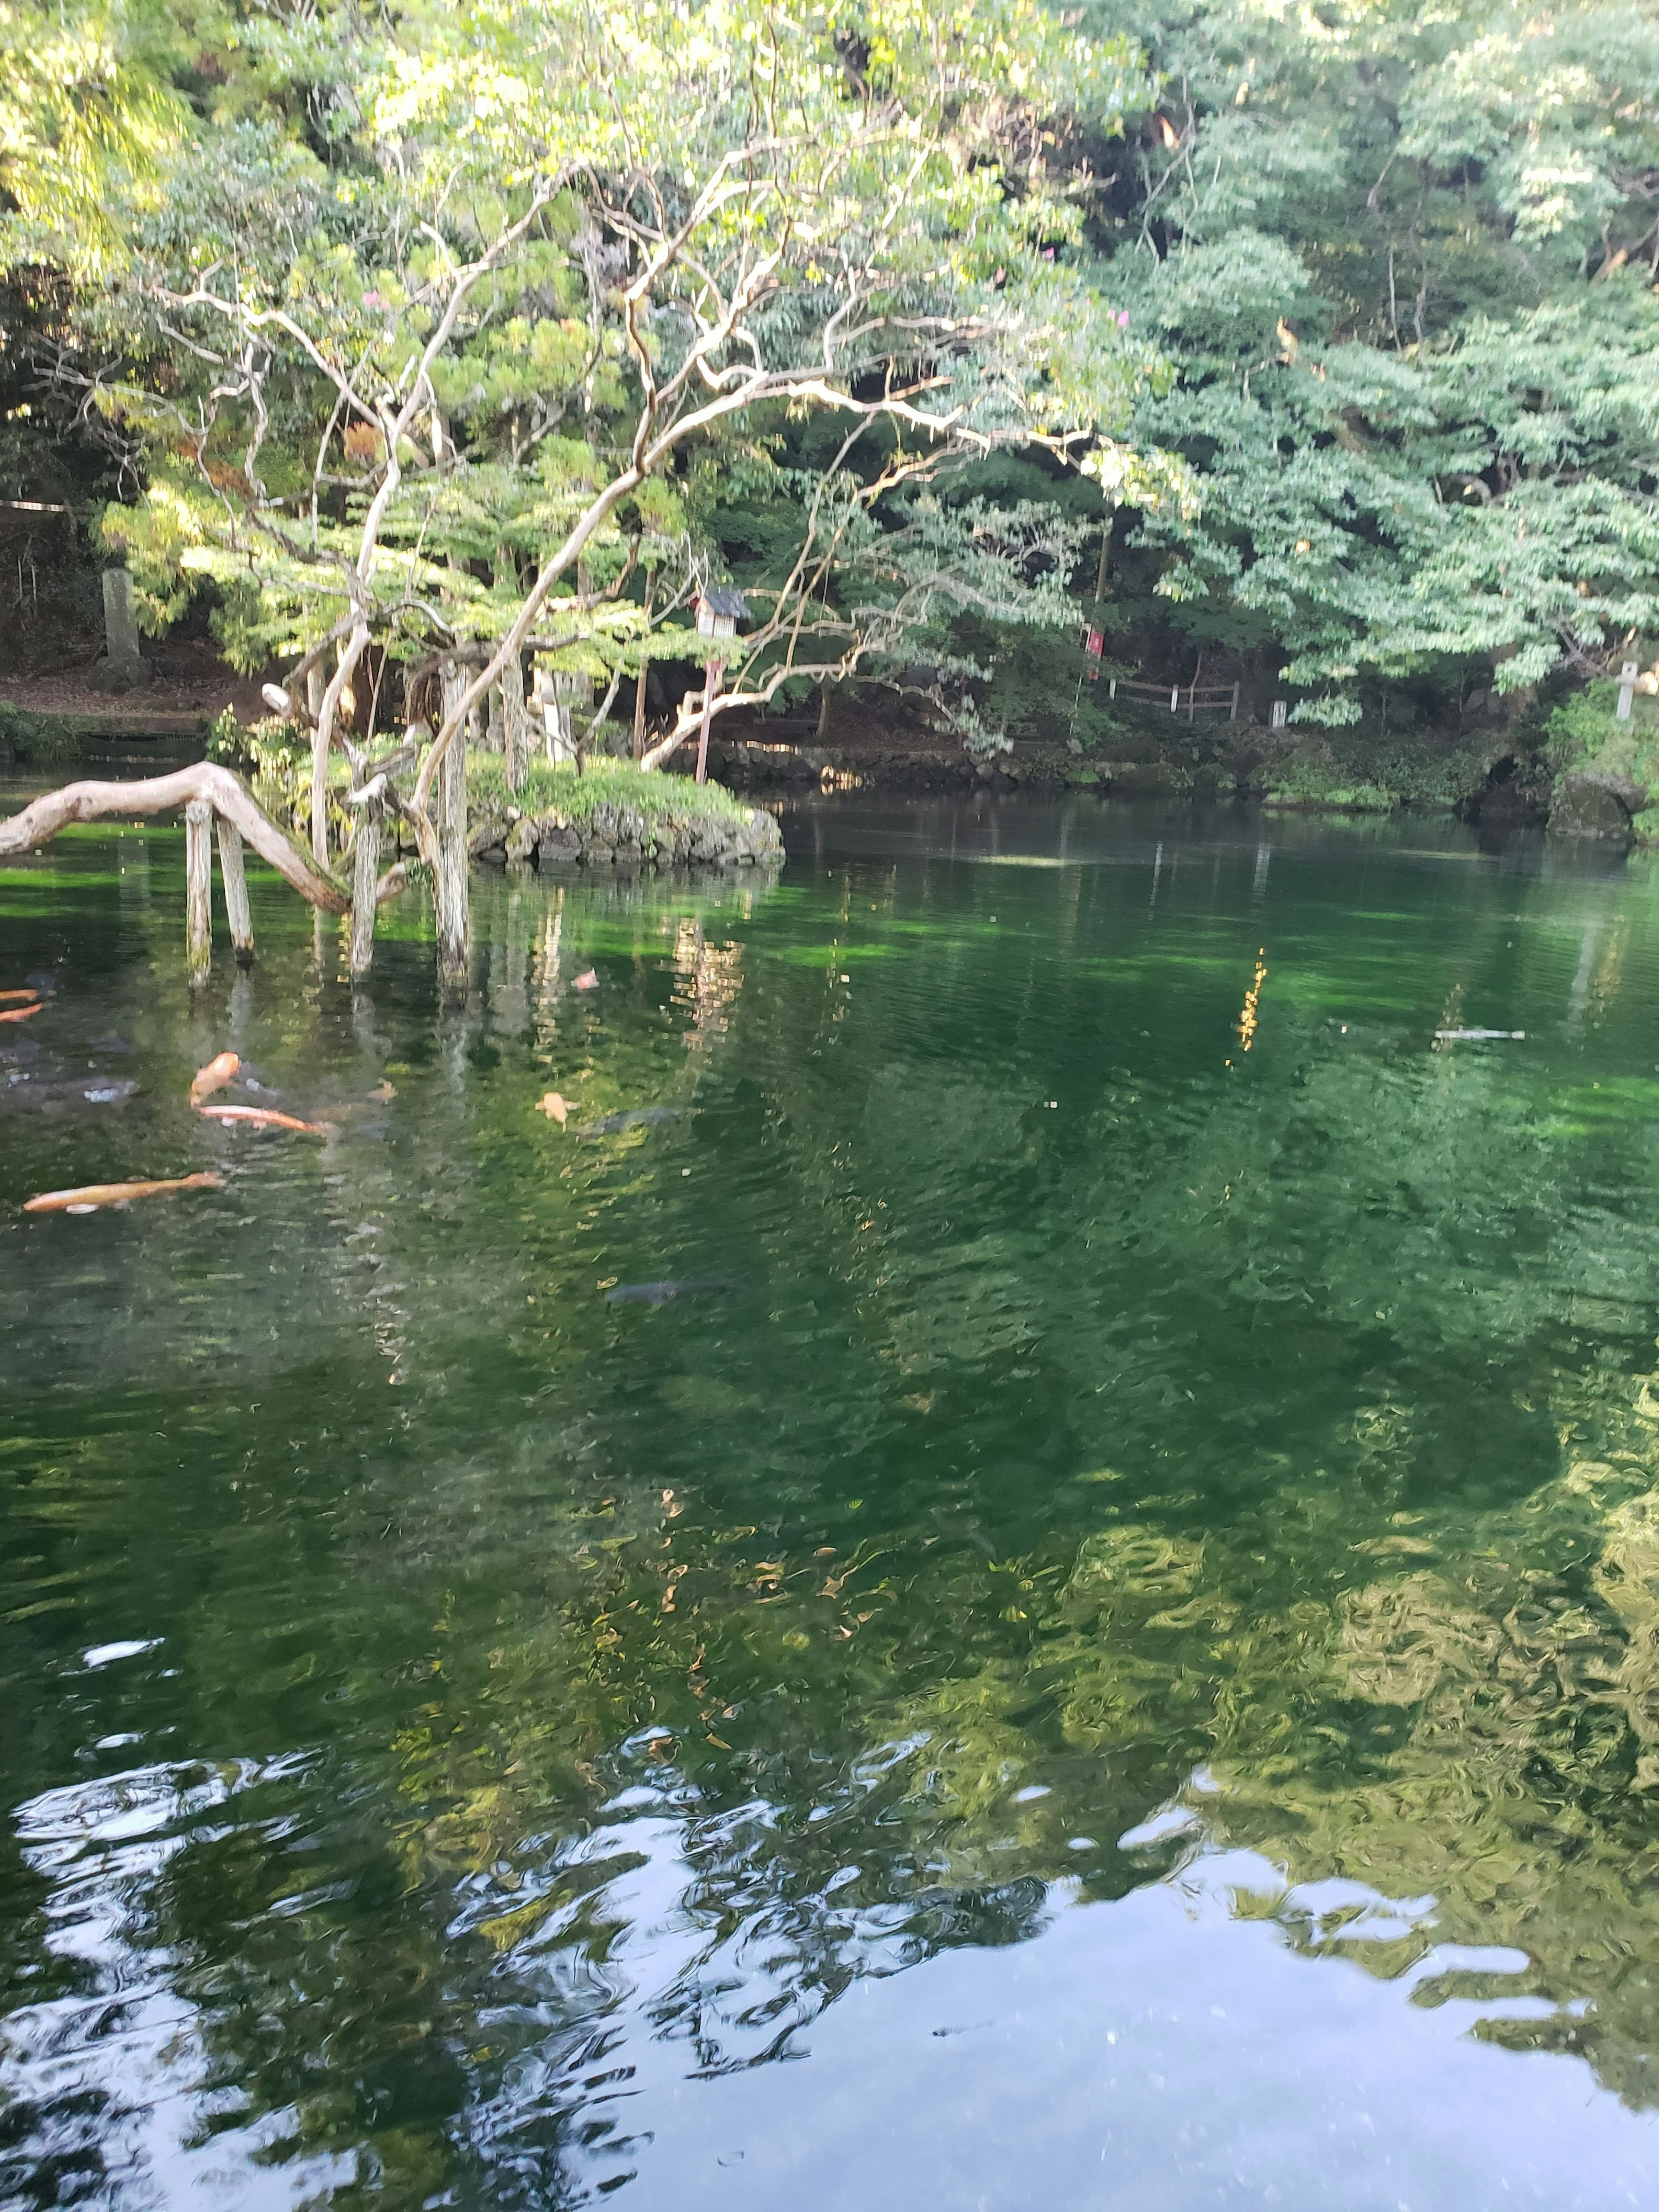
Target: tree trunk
{"x": 516, "y": 716}
{"x": 233, "y": 876}
{"x": 198, "y": 888}
{"x": 640, "y": 688}
{"x": 449, "y": 886}
{"x": 495, "y": 732}
{"x": 639, "y": 715}
{"x": 316, "y": 686}
{"x": 365, "y": 879}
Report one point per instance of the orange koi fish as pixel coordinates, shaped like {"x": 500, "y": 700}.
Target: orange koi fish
{"x": 265, "y": 1117}
{"x": 219, "y": 1071}
{"x": 20, "y": 1014}
{"x": 92, "y": 1195}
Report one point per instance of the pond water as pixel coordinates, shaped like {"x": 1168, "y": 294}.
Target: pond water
{"x": 1101, "y": 1651}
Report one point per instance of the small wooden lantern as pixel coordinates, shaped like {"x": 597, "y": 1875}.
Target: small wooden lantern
{"x": 719, "y": 609}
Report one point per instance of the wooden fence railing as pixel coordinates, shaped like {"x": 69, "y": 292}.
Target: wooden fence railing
{"x": 1194, "y": 698}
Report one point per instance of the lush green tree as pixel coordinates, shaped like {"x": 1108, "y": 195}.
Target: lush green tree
{"x": 1404, "y": 259}
{"x": 442, "y": 331}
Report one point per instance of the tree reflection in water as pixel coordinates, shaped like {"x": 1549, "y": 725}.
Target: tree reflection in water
{"x": 557, "y": 1706}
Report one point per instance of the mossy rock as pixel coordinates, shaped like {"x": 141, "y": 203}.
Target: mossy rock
{"x": 1586, "y": 807}
{"x": 1165, "y": 777}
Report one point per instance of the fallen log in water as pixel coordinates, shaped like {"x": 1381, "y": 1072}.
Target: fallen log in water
{"x": 44, "y": 818}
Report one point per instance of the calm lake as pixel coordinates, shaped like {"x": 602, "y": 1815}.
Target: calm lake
{"x": 1087, "y": 1636}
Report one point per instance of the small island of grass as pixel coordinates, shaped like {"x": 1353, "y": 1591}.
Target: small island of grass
{"x": 612, "y": 813}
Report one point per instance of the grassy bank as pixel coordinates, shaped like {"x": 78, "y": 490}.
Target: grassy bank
{"x": 662, "y": 802}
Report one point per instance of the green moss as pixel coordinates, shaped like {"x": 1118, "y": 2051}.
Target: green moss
{"x": 1315, "y": 791}
{"x": 1584, "y": 733}
{"x": 661, "y": 800}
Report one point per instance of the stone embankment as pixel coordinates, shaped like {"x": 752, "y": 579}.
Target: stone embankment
{"x": 690, "y": 834}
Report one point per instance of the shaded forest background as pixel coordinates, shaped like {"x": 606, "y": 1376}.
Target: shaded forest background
{"x": 1392, "y": 272}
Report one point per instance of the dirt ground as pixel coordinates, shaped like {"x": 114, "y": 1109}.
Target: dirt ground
{"x": 190, "y": 683}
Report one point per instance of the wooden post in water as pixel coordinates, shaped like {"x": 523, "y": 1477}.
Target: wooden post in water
{"x": 233, "y": 876}
{"x": 449, "y": 887}
{"x": 198, "y": 888}
{"x": 365, "y": 884}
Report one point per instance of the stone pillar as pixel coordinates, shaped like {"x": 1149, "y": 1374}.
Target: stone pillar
{"x": 124, "y": 666}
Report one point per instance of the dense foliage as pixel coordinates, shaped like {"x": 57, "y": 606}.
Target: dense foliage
{"x": 1404, "y": 259}
{"x": 1350, "y": 310}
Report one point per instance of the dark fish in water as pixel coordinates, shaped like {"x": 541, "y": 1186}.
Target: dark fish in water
{"x": 27, "y": 1095}
{"x": 635, "y": 1117}
{"x": 40, "y": 981}
{"x": 657, "y": 1294}
{"x": 113, "y": 1042}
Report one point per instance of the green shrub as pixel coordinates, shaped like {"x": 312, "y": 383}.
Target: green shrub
{"x": 42, "y": 740}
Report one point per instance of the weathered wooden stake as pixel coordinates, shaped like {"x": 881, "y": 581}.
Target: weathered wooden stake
{"x": 449, "y": 887}
{"x": 198, "y": 888}
{"x": 233, "y": 876}
{"x": 516, "y": 717}
{"x": 365, "y": 879}
{"x": 711, "y": 678}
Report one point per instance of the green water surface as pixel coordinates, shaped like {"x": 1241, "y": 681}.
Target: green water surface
{"x": 1104, "y": 1652}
